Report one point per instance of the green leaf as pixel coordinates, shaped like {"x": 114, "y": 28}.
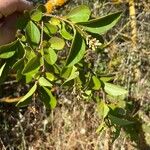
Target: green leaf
{"x": 74, "y": 74}
{"x": 50, "y": 29}
{"x": 106, "y": 79}
{"x": 119, "y": 121}
{"x": 47, "y": 97}
{"x": 33, "y": 75}
{"x": 18, "y": 64}
{"x": 8, "y": 50}
{"x": 22, "y": 21}
{"x": 66, "y": 71}
{"x": 55, "y": 21}
{"x": 6, "y": 70}
{"x": 44, "y": 82}
{"x": 41, "y": 8}
{"x": 28, "y": 95}
{"x": 88, "y": 92}
{"x": 2, "y": 68}
{"x": 50, "y": 56}
{"x": 77, "y": 50}
{"x": 7, "y": 54}
{"x": 103, "y": 110}
{"x": 32, "y": 33}
{"x": 114, "y": 90}
{"x": 57, "y": 43}
{"x": 36, "y": 15}
{"x": 32, "y": 65}
{"x": 96, "y": 82}
{"x": 79, "y": 14}
{"x": 29, "y": 53}
{"x": 50, "y": 76}
{"x": 65, "y": 34}
{"x": 101, "y": 25}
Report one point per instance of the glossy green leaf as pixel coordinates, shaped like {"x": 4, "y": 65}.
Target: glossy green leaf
{"x": 18, "y": 64}
{"x": 36, "y": 15}
{"x": 32, "y": 65}
{"x": 8, "y": 50}
{"x": 74, "y": 74}
{"x": 29, "y": 53}
{"x": 32, "y": 33}
{"x": 119, "y": 121}
{"x": 50, "y": 29}
{"x": 57, "y": 43}
{"x": 96, "y": 82}
{"x": 25, "y": 103}
{"x": 44, "y": 82}
{"x": 55, "y": 21}
{"x": 101, "y": 25}
{"x": 50, "y": 56}
{"x": 66, "y": 71}
{"x": 114, "y": 90}
{"x": 28, "y": 95}
{"x": 7, "y": 54}
{"x": 79, "y": 14}
{"x": 2, "y": 68}
{"x": 29, "y": 77}
{"x": 41, "y": 8}
{"x": 103, "y": 109}
{"x": 50, "y": 76}
{"x": 65, "y": 34}
{"x": 47, "y": 97}
{"x": 6, "y": 70}
{"x": 77, "y": 50}
{"x": 106, "y": 79}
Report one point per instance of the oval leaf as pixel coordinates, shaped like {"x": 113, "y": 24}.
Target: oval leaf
{"x": 44, "y": 82}
{"x": 57, "y": 43}
{"x": 114, "y": 90}
{"x": 101, "y": 25}
{"x": 77, "y": 50}
{"x": 19, "y": 64}
{"x": 50, "y": 76}
{"x": 36, "y": 15}
{"x": 32, "y": 33}
{"x": 119, "y": 121}
{"x": 50, "y": 28}
{"x": 32, "y": 65}
{"x": 8, "y": 50}
{"x": 74, "y": 74}
{"x": 96, "y": 82}
{"x": 79, "y": 14}
{"x": 103, "y": 109}
{"x": 65, "y": 34}
{"x": 47, "y": 97}
{"x": 28, "y": 95}
{"x": 50, "y": 56}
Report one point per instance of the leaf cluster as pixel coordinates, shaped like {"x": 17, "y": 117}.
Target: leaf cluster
{"x": 51, "y": 51}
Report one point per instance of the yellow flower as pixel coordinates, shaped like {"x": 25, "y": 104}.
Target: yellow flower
{"x": 59, "y": 2}
{"x": 49, "y": 6}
